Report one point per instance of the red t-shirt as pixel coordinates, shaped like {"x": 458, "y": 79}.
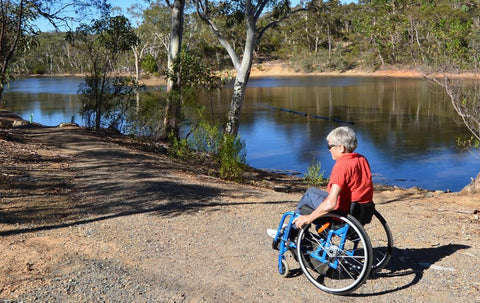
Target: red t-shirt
{"x": 352, "y": 173}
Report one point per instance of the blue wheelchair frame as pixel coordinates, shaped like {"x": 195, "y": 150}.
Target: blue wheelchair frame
{"x": 321, "y": 254}
{"x": 282, "y": 238}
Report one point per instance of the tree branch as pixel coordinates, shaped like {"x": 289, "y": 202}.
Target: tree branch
{"x": 202, "y": 7}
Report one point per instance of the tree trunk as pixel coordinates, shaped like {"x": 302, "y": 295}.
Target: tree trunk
{"x": 239, "y": 88}
{"x": 9, "y": 40}
{"x": 240, "y": 85}
{"x": 172, "y": 109}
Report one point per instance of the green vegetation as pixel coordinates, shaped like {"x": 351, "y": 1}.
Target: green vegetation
{"x": 315, "y": 174}
{"x": 208, "y": 144}
{"x": 372, "y": 34}
{"x": 106, "y": 96}
{"x": 232, "y": 157}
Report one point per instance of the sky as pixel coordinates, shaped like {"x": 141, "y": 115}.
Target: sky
{"x": 123, "y": 5}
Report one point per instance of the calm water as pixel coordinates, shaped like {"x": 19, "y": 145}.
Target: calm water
{"x": 406, "y": 127}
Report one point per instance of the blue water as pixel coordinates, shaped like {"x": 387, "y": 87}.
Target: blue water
{"x": 406, "y": 128}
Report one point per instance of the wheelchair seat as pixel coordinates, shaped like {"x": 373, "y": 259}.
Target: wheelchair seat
{"x": 363, "y": 212}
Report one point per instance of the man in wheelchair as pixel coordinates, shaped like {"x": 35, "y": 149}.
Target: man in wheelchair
{"x": 350, "y": 189}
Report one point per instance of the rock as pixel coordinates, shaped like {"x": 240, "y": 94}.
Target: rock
{"x": 429, "y": 195}
{"x": 68, "y": 124}
{"x": 19, "y": 123}
{"x": 9, "y": 119}
{"x": 473, "y": 187}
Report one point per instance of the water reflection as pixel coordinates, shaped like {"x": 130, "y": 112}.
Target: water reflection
{"x": 406, "y": 127}
{"x": 48, "y": 100}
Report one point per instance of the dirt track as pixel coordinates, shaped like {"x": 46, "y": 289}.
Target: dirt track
{"x": 83, "y": 219}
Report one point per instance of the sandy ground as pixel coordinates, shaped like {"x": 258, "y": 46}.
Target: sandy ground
{"x": 88, "y": 218}
{"x": 281, "y": 69}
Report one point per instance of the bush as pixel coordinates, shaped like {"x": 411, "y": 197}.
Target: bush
{"x": 206, "y": 138}
{"x": 179, "y": 148}
{"x": 149, "y": 64}
{"x": 39, "y": 69}
{"x": 314, "y": 175}
{"x": 228, "y": 151}
{"x": 232, "y": 157}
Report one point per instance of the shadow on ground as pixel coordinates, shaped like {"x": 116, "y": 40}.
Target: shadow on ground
{"x": 413, "y": 262}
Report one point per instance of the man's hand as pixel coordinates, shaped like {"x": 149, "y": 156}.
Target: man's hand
{"x": 301, "y": 221}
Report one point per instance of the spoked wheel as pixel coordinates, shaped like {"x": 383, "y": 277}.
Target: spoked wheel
{"x": 382, "y": 241}
{"x": 335, "y": 253}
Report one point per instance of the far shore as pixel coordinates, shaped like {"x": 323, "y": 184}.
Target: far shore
{"x": 270, "y": 69}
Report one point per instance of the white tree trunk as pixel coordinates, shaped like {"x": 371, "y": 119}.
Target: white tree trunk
{"x": 241, "y": 80}
{"x": 172, "y": 109}
{"x": 239, "y": 88}
{"x": 176, "y": 35}
{"x": 253, "y": 11}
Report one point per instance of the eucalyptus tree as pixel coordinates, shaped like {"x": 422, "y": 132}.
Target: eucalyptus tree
{"x": 221, "y": 17}
{"x": 173, "y": 107}
{"x": 450, "y": 44}
{"x": 106, "y": 95}
{"x": 154, "y": 34}
{"x": 317, "y": 31}
{"x": 17, "y": 24}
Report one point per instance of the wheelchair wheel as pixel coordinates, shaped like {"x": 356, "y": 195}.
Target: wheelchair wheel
{"x": 382, "y": 241}
{"x": 335, "y": 253}
{"x": 285, "y": 269}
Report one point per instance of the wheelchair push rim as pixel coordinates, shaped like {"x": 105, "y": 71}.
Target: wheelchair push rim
{"x": 335, "y": 253}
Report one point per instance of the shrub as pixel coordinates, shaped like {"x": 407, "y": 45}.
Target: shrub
{"x": 179, "y": 147}
{"x": 232, "y": 157}
{"x": 149, "y": 64}
{"x": 206, "y": 138}
{"x": 314, "y": 175}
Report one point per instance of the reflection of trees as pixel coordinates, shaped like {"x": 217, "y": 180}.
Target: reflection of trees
{"x": 47, "y": 103}
{"x": 400, "y": 116}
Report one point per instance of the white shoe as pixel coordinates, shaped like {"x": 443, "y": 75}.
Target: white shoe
{"x": 271, "y": 233}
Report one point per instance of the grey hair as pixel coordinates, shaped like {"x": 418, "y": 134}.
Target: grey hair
{"x": 345, "y": 136}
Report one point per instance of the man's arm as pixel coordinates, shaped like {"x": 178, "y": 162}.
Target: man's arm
{"x": 325, "y": 207}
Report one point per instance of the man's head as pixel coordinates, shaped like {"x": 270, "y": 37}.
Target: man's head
{"x": 342, "y": 140}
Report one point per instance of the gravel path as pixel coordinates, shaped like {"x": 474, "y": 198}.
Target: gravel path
{"x": 88, "y": 220}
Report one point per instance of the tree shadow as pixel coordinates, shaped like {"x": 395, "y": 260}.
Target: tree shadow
{"x": 40, "y": 192}
{"x": 405, "y": 262}
{"x": 159, "y": 198}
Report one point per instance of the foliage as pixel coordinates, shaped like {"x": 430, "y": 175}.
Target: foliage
{"x": 206, "y": 139}
{"x": 18, "y": 29}
{"x": 370, "y": 34}
{"x": 179, "y": 147}
{"x": 468, "y": 143}
{"x": 194, "y": 74}
{"x": 149, "y": 64}
{"x": 118, "y": 98}
{"x": 147, "y": 118}
{"x": 466, "y": 102}
{"x": 232, "y": 157}
{"x": 315, "y": 174}
{"x": 105, "y": 96}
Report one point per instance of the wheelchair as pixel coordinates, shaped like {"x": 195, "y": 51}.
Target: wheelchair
{"x": 335, "y": 251}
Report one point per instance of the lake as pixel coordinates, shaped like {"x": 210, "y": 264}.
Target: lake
{"x": 406, "y": 127}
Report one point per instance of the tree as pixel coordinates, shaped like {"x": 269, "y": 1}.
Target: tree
{"x": 174, "y": 102}
{"x": 103, "y": 41}
{"x": 17, "y": 24}
{"x": 455, "y": 39}
{"x": 232, "y": 13}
